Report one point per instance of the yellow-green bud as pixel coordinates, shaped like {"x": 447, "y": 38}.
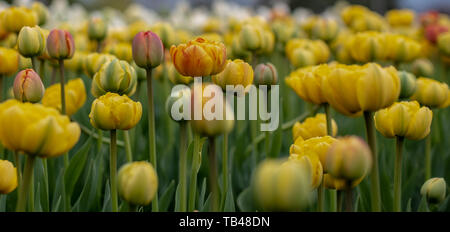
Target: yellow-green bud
{"x": 115, "y": 76}
{"x": 137, "y": 183}
{"x": 97, "y": 29}
{"x": 407, "y": 83}
{"x": 434, "y": 190}
{"x": 31, "y": 41}
{"x": 41, "y": 11}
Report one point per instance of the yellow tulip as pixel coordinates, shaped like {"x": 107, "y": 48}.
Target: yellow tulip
{"x": 367, "y": 46}
{"x": 116, "y": 76}
{"x": 321, "y": 28}
{"x": 166, "y": 32}
{"x": 304, "y": 52}
{"x": 401, "y": 48}
{"x": 351, "y": 89}
{"x": 137, "y": 183}
{"x": 313, "y": 127}
{"x": 41, "y": 12}
{"x": 281, "y": 186}
{"x": 400, "y": 17}
{"x": 443, "y": 42}
{"x": 94, "y": 61}
{"x": 36, "y": 130}
{"x": 212, "y": 37}
{"x": 9, "y": 60}
{"x": 199, "y": 57}
{"x": 8, "y": 177}
{"x": 112, "y": 111}
{"x": 175, "y": 77}
{"x": 316, "y": 166}
{"x": 406, "y": 119}
{"x": 348, "y": 158}
{"x": 431, "y": 93}
{"x": 330, "y": 182}
{"x": 236, "y": 72}
{"x": 77, "y": 62}
{"x": 422, "y": 68}
{"x": 307, "y": 82}
{"x": 360, "y": 18}
{"x": 14, "y": 18}
{"x": 122, "y": 51}
{"x": 317, "y": 145}
{"x": 75, "y": 96}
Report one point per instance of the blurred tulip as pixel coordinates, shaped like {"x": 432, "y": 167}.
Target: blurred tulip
{"x": 401, "y": 48}
{"x": 281, "y": 186}
{"x": 407, "y": 83}
{"x": 148, "y": 50}
{"x": 199, "y": 58}
{"x": 321, "y": 28}
{"x": 36, "y": 129}
{"x": 175, "y": 77}
{"x": 31, "y": 41}
{"x": 14, "y": 18}
{"x": 352, "y": 89}
{"x": 348, "y": 158}
{"x": 236, "y": 72}
{"x": 28, "y": 86}
{"x": 313, "y": 127}
{"x": 265, "y": 74}
{"x": 115, "y": 76}
{"x": 443, "y": 42}
{"x": 307, "y": 83}
{"x": 75, "y": 96}
{"x": 8, "y": 180}
{"x": 400, "y": 17}
{"x": 405, "y": 119}
{"x": 164, "y": 31}
{"x": 60, "y": 44}
{"x": 115, "y": 112}
{"x": 330, "y": 182}
{"x": 283, "y": 30}
{"x": 422, "y": 68}
{"x": 431, "y": 93}
{"x": 433, "y": 31}
{"x": 77, "y": 62}
{"x": 9, "y": 60}
{"x": 367, "y": 46}
{"x": 41, "y": 11}
{"x": 214, "y": 126}
{"x": 137, "y": 183}
{"x": 122, "y": 51}
{"x": 94, "y": 61}
{"x": 97, "y": 29}
{"x": 429, "y": 17}
{"x": 434, "y": 190}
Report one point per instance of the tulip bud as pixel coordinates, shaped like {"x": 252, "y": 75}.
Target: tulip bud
{"x": 122, "y": 51}
{"x": 166, "y": 32}
{"x": 422, "y": 68}
{"x": 281, "y": 186}
{"x": 28, "y": 86}
{"x": 114, "y": 112}
{"x": 401, "y": 17}
{"x": 115, "y": 76}
{"x": 148, "y": 50}
{"x": 313, "y": 127}
{"x": 236, "y": 72}
{"x": 430, "y": 92}
{"x": 407, "y": 84}
{"x": 31, "y": 41}
{"x": 137, "y": 183}
{"x": 14, "y": 18}
{"x": 250, "y": 37}
{"x": 434, "y": 190}
{"x": 176, "y": 102}
{"x": 265, "y": 74}
{"x": 8, "y": 173}
{"x": 216, "y": 121}
{"x": 41, "y": 11}
{"x": 94, "y": 61}
{"x": 302, "y": 57}
{"x": 349, "y": 158}
{"x": 444, "y": 43}
{"x": 97, "y": 29}
{"x": 433, "y": 31}
{"x": 60, "y": 44}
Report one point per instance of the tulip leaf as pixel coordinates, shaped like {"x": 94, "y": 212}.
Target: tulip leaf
{"x": 57, "y": 204}
{"x": 3, "y": 202}
{"x": 201, "y": 196}
{"x": 276, "y": 142}
{"x": 88, "y": 192}
{"x": 37, "y": 199}
{"x": 107, "y": 198}
{"x": 206, "y": 206}
{"x": 229, "y": 200}
{"x": 245, "y": 201}
{"x": 177, "y": 198}
{"x": 408, "y": 206}
{"x": 166, "y": 197}
{"x": 76, "y": 166}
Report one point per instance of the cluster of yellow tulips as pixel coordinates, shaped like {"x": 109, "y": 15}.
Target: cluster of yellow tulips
{"x": 352, "y": 63}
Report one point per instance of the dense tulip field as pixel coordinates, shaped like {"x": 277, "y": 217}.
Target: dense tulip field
{"x": 223, "y": 109}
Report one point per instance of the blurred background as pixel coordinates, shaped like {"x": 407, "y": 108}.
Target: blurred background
{"x": 316, "y": 6}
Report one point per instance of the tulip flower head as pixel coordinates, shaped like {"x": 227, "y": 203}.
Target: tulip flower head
{"x": 115, "y": 112}
{"x": 28, "y": 86}
{"x": 434, "y": 190}
{"x": 36, "y": 130}
{"x": 265, "y": 74}
{"x": 115, "y": 76}
{"x": 199, "y": 57}
{"x": 14, "y": 18}
{"x": 307, "y": 83}
{"x": 400, "y": 17}
{"x": 120, "y": 50}
{"x": 60, "y": 44}
{"x": 313, "y": 127}
{"x": 8, "y": 177}
{"x": 236, "y": 72}
{"x": 137, "y": 183}
{"x": 41, "y": 11}
{"x": 97, "y": 29}
{"x": 9, "y": 60}
{"x": 94, "y": 61}
{"x": 31, "y": 41}
{"x": 431, "y": 93}
{"x": 75, "y": 92}
{"x": 406, "y": 119}
{"x": 148, "y": 50}
{"x": 407, "y": 83}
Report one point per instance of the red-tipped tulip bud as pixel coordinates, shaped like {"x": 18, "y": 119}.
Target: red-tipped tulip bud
{"x": 148, "y": 50}
{"x": 265, "y": 74}
{"x": 60, "y": 44}
{"x": 28, "y": 86}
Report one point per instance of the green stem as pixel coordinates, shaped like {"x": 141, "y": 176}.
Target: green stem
{"x": 349, "y": 200}
{"x": 25, "y": 185}
{"x": 224, "y": 169}
{"x": 340, "y": 199}
{"x": 333, "y": 199}
{"x": 47, "y": 203}
{"x": 18, "y": 166}
{"x": 1, "y": 87}
{"x": 62, "y": 82}
{"x": 320, "y": 198}
{"x": 326, "y": 107}
{"x": 34, "y": 63}
{"x": 113, "y": 171}
{"x": 214, "y": 188}
{"x": 398, "y": 175}
{"x": 194, "y": 172}
{"x": 375, "y": 179}
{"x": 42, "y": 69}
{"x": 151, "y": 131}
{"x": 183, "y": 158}
{"x": 128, "y": 152}
{"x": 428, "y": 157}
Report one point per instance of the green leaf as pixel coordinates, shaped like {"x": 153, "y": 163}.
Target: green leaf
{"x": 423, "y": 206}
{"x": 107, "y": 199}
{"x": 177, "y": 199}
{"x": 229, "y": 200}
{"x": 3, "y": 202}
{"x": 408, "y": 206}
{"x": 76, "y": 166}
{"x": 245, "y": 201}
{"x": 276, "y": 142}
{"x": 201, "y": 196}
{"x": 57, "y": 204}
{"x": 166, "y": 197}
{"x": 206, "y": 206}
